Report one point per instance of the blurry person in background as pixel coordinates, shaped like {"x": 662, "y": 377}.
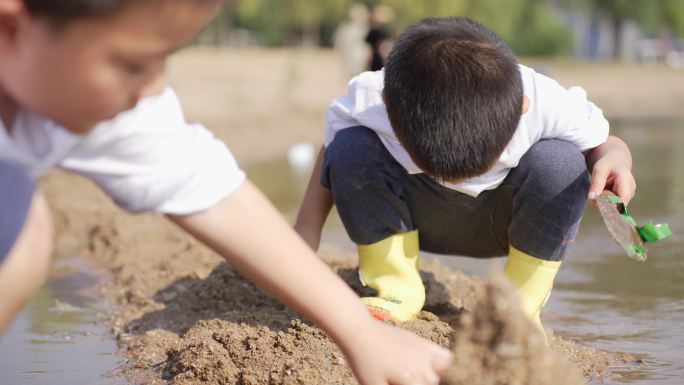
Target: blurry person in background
{"x": 379, "y": 36}
{"x": 349, "y": 40}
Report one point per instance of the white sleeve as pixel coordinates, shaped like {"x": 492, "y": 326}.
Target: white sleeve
{"x": 150, "y": 159}
{"x": 362, "y": 105}
{"x": 566, "y": 113}
{"x": 337, "y": 118}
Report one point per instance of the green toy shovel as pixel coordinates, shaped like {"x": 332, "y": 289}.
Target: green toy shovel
{"x": 623, "y": 228}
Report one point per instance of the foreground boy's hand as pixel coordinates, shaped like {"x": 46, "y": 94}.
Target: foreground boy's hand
{"x": 381, "y": 354}
{"x": 250, "y": 234}
{"x": 611, "y": 169}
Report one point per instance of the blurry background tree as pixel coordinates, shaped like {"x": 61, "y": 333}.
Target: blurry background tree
{"x": 531, "y": 27}
{"x": 672, "y": 13}
{"x": 618, "y": 12}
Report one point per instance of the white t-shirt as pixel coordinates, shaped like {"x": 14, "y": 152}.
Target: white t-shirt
{"x": 554, "y": 112}
{"x": 147, "y": 158}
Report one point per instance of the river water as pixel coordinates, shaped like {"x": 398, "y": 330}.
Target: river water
{"x": 57, "y": 338}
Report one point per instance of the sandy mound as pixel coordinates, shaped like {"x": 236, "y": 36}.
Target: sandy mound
{"x": 182, "y": 315}
{"x": 223, "y": 330}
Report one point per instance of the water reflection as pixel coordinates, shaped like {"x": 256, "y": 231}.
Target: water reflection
{"x": 56, "y": 338}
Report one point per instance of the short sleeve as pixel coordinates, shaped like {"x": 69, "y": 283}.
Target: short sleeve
{"x": 150, "y": 159}
{"x": 361, "y": 105}
{"x": 565, "y": 113}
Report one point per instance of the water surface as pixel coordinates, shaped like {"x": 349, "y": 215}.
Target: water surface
{"x": 57, "y": 338}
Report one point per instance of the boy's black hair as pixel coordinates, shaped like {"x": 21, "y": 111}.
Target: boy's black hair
{"x": 454, "y": 96}
{"x": 63, "y": 11}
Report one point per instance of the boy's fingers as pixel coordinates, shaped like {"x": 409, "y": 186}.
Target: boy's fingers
{"x": 626, "y": 187}
{"x": 623, "y": 193}
{"x": 430, "y": 377}
{"x": 441, "y": 361}
{"x": 598, "y": 182}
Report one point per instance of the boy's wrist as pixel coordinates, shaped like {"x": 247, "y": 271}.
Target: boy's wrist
{"x": 613, "y": 151}
{"x": 352, "y": 331}
{"x": 616, "y": 160}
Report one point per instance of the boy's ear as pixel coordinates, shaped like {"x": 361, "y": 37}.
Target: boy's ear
{"x": 384, "y": 96}
{"x": 10, "y": 14}
{"x": 525, "y": 104}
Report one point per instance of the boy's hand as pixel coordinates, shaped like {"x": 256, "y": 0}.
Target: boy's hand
{"x": 610, "y": 165}
{"x": 395, "y": 356}
{"x": 611, "y": 174}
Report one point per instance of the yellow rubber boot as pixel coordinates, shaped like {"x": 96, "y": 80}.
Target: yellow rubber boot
{"x": 533, "y": 280}
{"x": 390, "y": 266}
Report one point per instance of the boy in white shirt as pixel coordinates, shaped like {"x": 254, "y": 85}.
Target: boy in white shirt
{"x": 455, "y": 148}
{"x": 81, "y": 87}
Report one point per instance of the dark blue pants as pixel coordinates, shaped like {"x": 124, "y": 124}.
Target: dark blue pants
{"x": 537, "y": 209}
{"x": 16, "y": 191}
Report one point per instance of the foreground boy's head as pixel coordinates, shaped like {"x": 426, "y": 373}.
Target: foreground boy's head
{"x": 454, "y": 96}
{"x": 79, "y": 62}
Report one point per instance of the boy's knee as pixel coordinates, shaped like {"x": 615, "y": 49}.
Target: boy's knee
{"x": 353, "y": 153}
{"x": 553, "y": 182}
{"x": 353, "y": 145}
{"x": 555, "y": 166}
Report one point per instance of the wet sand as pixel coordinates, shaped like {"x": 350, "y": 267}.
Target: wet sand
{"x": 183, "y": 316}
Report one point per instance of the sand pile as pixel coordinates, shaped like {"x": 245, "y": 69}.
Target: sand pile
{"x": 182, "y": 315}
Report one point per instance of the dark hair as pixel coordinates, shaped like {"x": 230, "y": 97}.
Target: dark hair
{"x": 64, "y": 11}
{"x": 454, "y": 96}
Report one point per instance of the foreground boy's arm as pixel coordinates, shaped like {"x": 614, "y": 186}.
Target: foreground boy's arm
{"x": 611, "y": 168}
{"x": 252, "y": 236}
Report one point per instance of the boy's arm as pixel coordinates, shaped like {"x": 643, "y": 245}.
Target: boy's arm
{"x": 315, "y": 207}
{"x": 250, "y": 234}
{"x": 610, "y": 165}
